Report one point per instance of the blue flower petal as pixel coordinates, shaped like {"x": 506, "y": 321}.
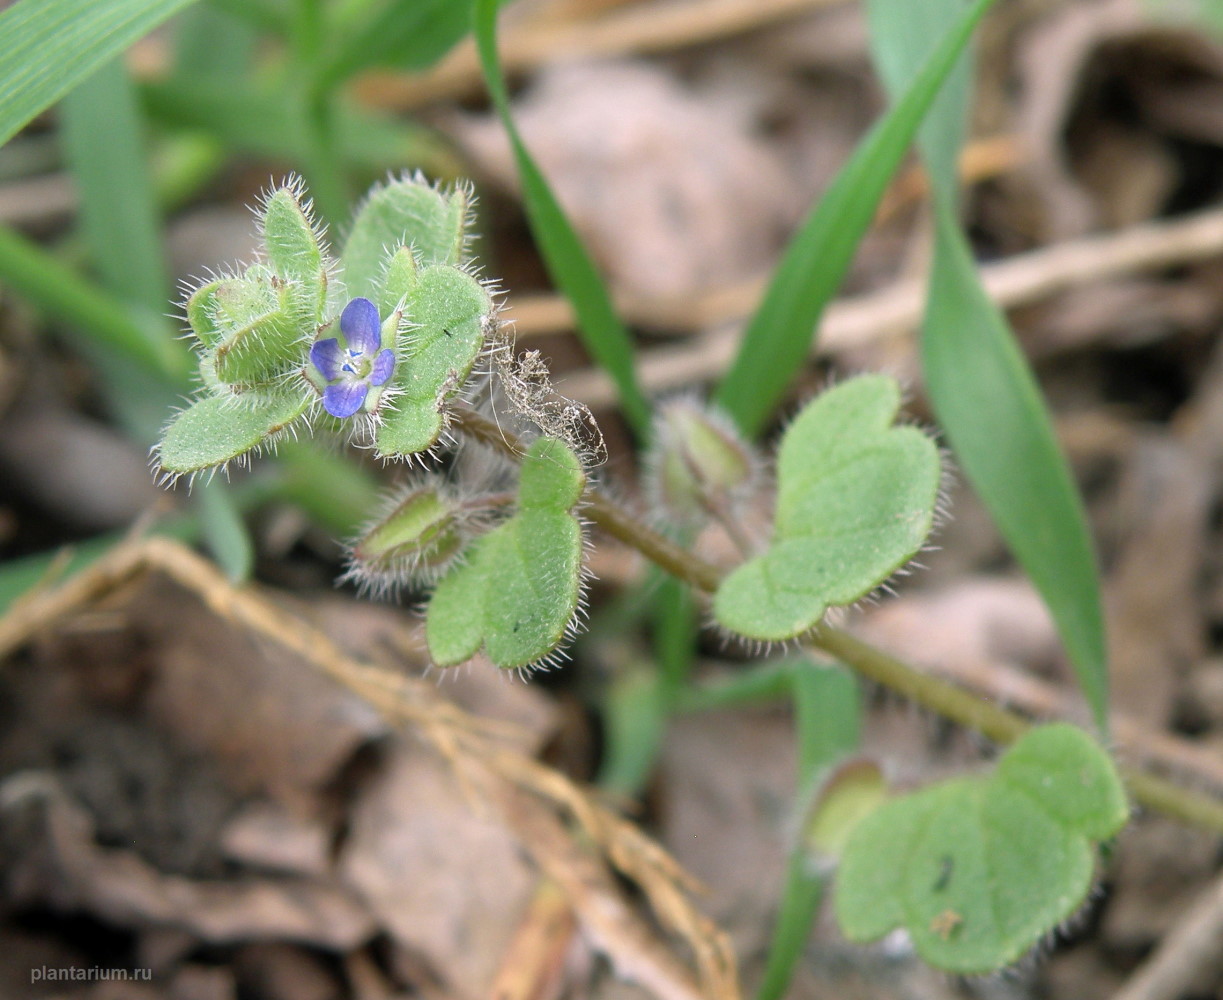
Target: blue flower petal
{"x": 327, "y": 357}
{"x": 361, "y": 326}
{"x": 345, "y": 398}
{"x": 384, "y": 364}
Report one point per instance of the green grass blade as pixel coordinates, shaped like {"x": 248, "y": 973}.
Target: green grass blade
{"x": 902, "y": 35}
{"x": 260, "y": 120}
{"x": 988, "y": 402}
{"x": 92, "y": 315}
{"x": 224, "y": 530}
{"x": 634, "y": 721}
{"x": 118, "y": 218}
{"x": 567, "y": 260}
{"x": 49, "y": 46}
{"x": 18, "y": 576}
{"x": 778, "y": 337}
{"x": 982, "y": 389}
{"x": 827, "y": 712}
{"x": 405, "y": 34}
{"x": 118, "y": 215}
{"x": 828, "y": 716}
{"x": 214, "y": 43}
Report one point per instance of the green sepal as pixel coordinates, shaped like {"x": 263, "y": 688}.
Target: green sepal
{"x": 217, "y": 429}
{"x": 404, "y": 212}
{"x": 292, "y": 246}
{"x": 855, "y": 501}
{"x": 419, "y": 534}
{"x": 201, "y": 311}
{"x": 518, "y": 590}
{"x": 265, "y": 324}
{"x": 978, "y": 870}
{"x": 400, "y": 280}
{"x": 446, "y": 312}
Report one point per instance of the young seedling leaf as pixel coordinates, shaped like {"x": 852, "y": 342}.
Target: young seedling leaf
{"x": 405, "y": 211}
{"x": 217, "y": 429}
{"x": 518, "y": 590}
{"x": 855, "y": 501}
{"x": 447, "y": 311}
{"x": 978, "y": 869}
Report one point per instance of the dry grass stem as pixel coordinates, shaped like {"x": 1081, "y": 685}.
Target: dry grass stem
{"x": 1191, "y": 950}
{"x": 641, "y": 29}
{"x": 853, "y": 323}
{"x": 524, "y": 792}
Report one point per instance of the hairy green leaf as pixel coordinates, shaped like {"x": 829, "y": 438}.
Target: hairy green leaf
{"x": 265, "y": 326}
{"x": 978, "y": 869}
{"x": 447, "y": 310}
{"x": 217, "y": 429}
{"x": 855, "y": 501}
{"x": 292, "y": 246}
{"x": 405, "y": 211}
{"x": 518, "y": 590}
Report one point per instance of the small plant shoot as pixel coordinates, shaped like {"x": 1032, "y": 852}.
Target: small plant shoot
{"x": 382, "y": 345}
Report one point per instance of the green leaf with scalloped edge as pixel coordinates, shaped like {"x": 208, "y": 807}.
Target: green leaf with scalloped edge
{"x": 404, "y": 212}
{"x": 447, "y": 310}
{"x": 217, "y": 429}
{"x": 979, "y": 869}
{"x": 518, "y": 589}
{"x": 855, "y": 501}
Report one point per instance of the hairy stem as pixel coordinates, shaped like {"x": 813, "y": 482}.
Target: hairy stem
{"x": 937, "y": 695}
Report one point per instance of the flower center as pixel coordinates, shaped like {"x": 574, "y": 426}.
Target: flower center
{"x": 358, "y": 365}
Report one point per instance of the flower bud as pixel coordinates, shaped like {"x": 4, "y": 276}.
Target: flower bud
{"x": 699, "y": 463}
{"x": 416, "y": 538}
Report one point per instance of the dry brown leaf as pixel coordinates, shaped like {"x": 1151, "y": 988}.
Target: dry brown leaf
{"x": 444, "y": 881}
{"x": 53, "y": 861}
{"x": 728, "y": 786}
{"x": 673, "y": 192}
{"x": 246, "y": 704}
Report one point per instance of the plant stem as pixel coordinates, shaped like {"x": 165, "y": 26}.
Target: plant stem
{"x": 317, "y": 111}
{"x": 948, "y": 700}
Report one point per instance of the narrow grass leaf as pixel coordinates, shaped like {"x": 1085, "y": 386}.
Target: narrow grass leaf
{"x": 778, "y": 337}
{"x": 103, "y": 140}
{"x": 47, "y": 47}
{"x": 634, "y": 721}
{"x": 93, "y": 315}
{"x": 405, "y": 34}
{"x": 568, "y": 263}
{"x": 987, "y": 400}
{"x": 19, "y": 576}
{"x": 259, "y": 119}
{"x": 224, "y": 530}
{"x": 982, "y": 388}
{"x": 213, "y": 43}
{"x": 827, "y": 715}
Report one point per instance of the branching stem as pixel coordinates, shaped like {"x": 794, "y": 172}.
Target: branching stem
{"x": 937, "y": 695}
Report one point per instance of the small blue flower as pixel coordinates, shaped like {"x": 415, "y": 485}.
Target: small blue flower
{"x": 362, "y": 362}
